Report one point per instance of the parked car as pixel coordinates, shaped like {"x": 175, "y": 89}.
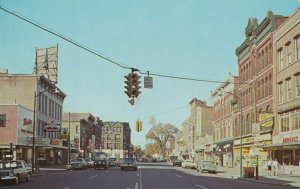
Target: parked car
{"x": 177, "y": 163}
{"x": 208, "y": 166}
{"x": 14, "y": 171}
{"x": 189, "y": 164}
{"x": 112, "y": 162}
{"x": 78, "y": 163}
{"x": 89, "y": 162}
{"x": 128, "y": 163}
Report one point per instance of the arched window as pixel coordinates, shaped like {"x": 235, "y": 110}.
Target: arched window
{"x": 270, "y": 84}
{"x": 269, "y": 109}
{"x": 247, "y": 124}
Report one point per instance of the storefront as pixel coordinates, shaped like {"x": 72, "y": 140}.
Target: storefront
{"x": 224, "y": 153}
{"x": 286, "y": 148}
{"x": 247, "y": 146}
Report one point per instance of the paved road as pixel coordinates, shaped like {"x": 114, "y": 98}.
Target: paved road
{"x": 148, "y": 176}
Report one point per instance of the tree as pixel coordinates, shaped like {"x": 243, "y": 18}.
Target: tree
{"x": 161, "y": 134}
{"x": 151, "y": 149}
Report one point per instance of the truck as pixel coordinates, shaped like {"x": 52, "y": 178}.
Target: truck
{"x": 100, "y": 160}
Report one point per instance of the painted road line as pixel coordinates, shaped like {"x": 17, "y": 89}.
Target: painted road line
{"x": 137, "y": 175}
{"x": 93, "y": 177}
{"x": 67, "y": 187}
{"x": 201, "y": 186}
{"x": 136, "y": 186}
{"x": 178, "y": 175}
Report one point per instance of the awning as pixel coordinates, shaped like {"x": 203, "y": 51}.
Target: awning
{"x": 280, "y": 146}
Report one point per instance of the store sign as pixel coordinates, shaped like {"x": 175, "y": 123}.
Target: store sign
{"x": 248, "y": 140}
{"x": 290, "y": 139}
{"x": 266, "y": 120}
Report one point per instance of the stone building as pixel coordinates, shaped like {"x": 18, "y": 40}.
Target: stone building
{"x": 116, "y": 139}
{"x": 224, "y": 100}
{"x": 41, "y": 96}
{"x": 255, "y": 90}
{"x": 286, "y": 57}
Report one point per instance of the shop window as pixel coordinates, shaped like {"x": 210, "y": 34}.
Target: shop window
{"x": 2, "y": 120}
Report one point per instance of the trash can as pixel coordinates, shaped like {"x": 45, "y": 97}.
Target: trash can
{"x": 248, "y": 172}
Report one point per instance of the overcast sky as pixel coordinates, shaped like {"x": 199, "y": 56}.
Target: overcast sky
{"x": 188, "y": 38}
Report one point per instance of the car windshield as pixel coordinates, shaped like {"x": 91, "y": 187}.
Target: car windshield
{"x": 9, "y": 165}
{"x": 129, "y": 160}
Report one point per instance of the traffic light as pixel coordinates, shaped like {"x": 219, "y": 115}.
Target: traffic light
{"x": 132, "y": 85}
{"x": 138, "y": 125}
{"x": 128, "y": 86}
{"x": 141, "y": 126}
{"x": 135, "y": 81}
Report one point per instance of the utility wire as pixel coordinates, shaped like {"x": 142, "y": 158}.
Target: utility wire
{"x": 99, "y": 54}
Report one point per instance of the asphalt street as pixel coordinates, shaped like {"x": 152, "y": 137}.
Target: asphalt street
{"x": 148, "y": 176}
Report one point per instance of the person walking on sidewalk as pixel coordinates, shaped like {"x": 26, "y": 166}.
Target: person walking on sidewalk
{"x": 275, "y": 167}
{"x": 269, "y": 166}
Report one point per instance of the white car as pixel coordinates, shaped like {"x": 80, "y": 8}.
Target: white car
{"x": 189, "y": 164}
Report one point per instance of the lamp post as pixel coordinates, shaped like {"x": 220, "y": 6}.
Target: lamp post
{"x": 34, "y": 121}
{"x": 69, "y": 141}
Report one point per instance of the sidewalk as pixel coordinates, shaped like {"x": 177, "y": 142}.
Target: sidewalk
{"x": 288, "y": 177}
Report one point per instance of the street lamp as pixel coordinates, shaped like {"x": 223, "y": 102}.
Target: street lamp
{"x": 241, "y": 129}
{"x": 33, "y": 134}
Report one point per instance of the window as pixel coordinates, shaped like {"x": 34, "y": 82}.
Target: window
{"x": 117, "y": 137}
{"x": 77, "y": 129}
{"x": 288, "y": 53}
{"x": 298, "y": 85}
{"x": 2, "y": 120}
{"x": 280, "y": 60}
{"x": 280, "y": 93}
{"x": 284, "y": 124}
{"x": 108, "y": 137}
{"x": 289, "y": 89}
{"x": 297, "y": 47}
{"x": 295, "y": 121}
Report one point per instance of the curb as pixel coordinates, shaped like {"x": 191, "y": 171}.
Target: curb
{"x": 264, "y": 182}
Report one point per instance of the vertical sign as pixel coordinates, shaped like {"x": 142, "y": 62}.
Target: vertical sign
{"x": 148, "y": 82}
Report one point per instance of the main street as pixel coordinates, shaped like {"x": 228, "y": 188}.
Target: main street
{"x": 148, "y": 176}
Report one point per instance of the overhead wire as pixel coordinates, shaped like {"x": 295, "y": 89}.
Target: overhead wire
{"x": 53, "y": 32}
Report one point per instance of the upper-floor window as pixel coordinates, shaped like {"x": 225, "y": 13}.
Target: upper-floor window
{"x": 77, "y": 129}
{"x": 297, "y": 85}
{"x": 297, "y": 47}
{"x": 117, "y": 137}
{"x": 2, "y": 120}
{"x": 280, "y": 60}
{"x": 280, "y": 93}
{"x": 289, "y": 89}
{"x": 295, "y": 119}
{"x": 284, "y": 123}
{"x": 288, "y": 53}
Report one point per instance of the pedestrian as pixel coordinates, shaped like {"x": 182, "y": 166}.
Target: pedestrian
{"x": 275, "y": 167}
{"x": 269, "y": 165}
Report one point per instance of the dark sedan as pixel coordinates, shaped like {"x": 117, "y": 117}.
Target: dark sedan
{"x": 177, "y": 163}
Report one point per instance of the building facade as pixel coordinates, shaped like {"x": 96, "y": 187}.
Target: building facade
{"x": 224, "y": 100}
{"x": 38, "y": 94}
{"x": 85, "y": 133}
{"x": 116, "y": 139}
{"x": 286, "y": 136}
{"x": 255, "y": 62}
{"x": 197, "y": 126}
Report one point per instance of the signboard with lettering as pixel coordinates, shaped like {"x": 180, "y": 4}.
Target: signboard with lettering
{"x": 266, "y": 121}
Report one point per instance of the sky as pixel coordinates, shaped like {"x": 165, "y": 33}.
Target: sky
{"x": 185, "y": 38}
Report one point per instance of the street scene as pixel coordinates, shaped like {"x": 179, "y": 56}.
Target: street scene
{"x": 150, "y": 94}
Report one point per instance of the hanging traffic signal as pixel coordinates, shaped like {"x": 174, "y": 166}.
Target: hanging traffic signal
{"x": 137, "y": 125}
{"x": 135, "y": 81}
{"x": 128, "y": 86}
{"x": 132, "y": 85}
{"x": 141, "y": 126}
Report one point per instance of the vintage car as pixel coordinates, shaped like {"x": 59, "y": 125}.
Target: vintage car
{"x": 14, "y": 171}
{"x": 128, "y": 163}
{"x": 100, "y": 160}
{"x": 78, "y": 163}
{"x": 177, "y": 163}
{"x": 208, "y": 166}
{"x": 90, "y": 163}
{"x": 189, "y": 164}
